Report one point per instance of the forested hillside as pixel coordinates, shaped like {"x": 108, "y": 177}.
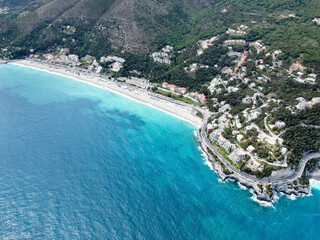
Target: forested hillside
{"x": 99, "y": 27}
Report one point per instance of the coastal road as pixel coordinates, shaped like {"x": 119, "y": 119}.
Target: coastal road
{"x": 245, "y": 176}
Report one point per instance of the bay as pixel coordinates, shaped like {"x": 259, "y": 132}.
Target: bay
{"x": 78, "y": 162}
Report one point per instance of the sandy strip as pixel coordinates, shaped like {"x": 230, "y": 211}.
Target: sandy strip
{"x": 133, "y": 93}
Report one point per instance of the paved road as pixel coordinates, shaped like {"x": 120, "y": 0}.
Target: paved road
{"x": 311, "y": 126}
{"x": 302, "y": 125}
{"x": 267, "y": 180}
{"x": 267, "y": 127}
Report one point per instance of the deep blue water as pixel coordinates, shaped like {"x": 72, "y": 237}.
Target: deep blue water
{"x": 77, "y": 162}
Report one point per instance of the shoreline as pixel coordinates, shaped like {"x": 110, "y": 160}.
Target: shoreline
{"x": 132, "y": 93}
{"x": 261, "y": 197}
{"x": 184, "y": 112}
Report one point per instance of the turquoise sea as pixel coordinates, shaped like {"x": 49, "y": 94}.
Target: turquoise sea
{"x": 78, "y": 162}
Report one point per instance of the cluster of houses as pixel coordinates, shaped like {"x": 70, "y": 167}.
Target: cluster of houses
{"x": 299, "y": 72}
{"x": 242, "y": 56}
{"x": 303, "y": 78}
{"x": 236, "y": 154}
{"x": 199, "y": 97}
{"x": 215, "y": 82}
{"x": 258, "y": 45}
{"x": 311, "y": 78}
{"x": 174, "y": 88}
{"x": 216, "y": 136}
{"x": 251, "y": 114}
{"x": 263, "y": 137}
{"x": 116, "y": 63}
{"x": 70, "y": 58}
{"x": 236, "y": 32}
{"x": 95, "y": 67}
{"x": 163, "y": 56}
{"x": 193, "y": 95}
{"x": 303, "y": 104}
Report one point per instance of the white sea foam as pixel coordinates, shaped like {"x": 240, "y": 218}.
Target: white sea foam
{"x": 242, "y": 186}
{"x": 275, "y": 198}
{"x": 315, "y": 184}
{"x": 292, "y": 197}
{"x": 205, "y": 157}
{"x": 261, "y": 203}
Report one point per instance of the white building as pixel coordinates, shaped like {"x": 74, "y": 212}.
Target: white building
{"x": 237, "y": 155}
{"x": 99, "y": 69}
{"x": 302, "y": 105}
{"x": 112, "y": 59}
{"x": 236, "y": 32}
{"x": 280, "y": 124}
{"x": 315, "y": 100}
{"x": 238, "y": 124}
{"x": 74, "y": 58}
{"x": 284, "y": 151}
{"x": 163, "y": 56}
{"x": 240, "y": 137}
{"x": 250, "y": 148}
{"x": 116, "y": 66}
{"x": 238, "y": 42}
{"x": 226, "y": 144}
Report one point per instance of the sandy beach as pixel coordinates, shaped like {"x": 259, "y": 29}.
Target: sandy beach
{"x": 181, "y": 111}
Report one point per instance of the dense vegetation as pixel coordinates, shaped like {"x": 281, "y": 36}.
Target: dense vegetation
{"x": 178, "y": 23}
{"x": 298, "y": 138}
{"x": 301, "y": 140}
{"x": 309, "y": 116}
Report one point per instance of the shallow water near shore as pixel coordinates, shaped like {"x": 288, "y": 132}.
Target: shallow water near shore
{"x": 80, "y": 162}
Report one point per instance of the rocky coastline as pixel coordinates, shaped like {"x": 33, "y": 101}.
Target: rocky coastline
{"x": 265, "y": 195}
